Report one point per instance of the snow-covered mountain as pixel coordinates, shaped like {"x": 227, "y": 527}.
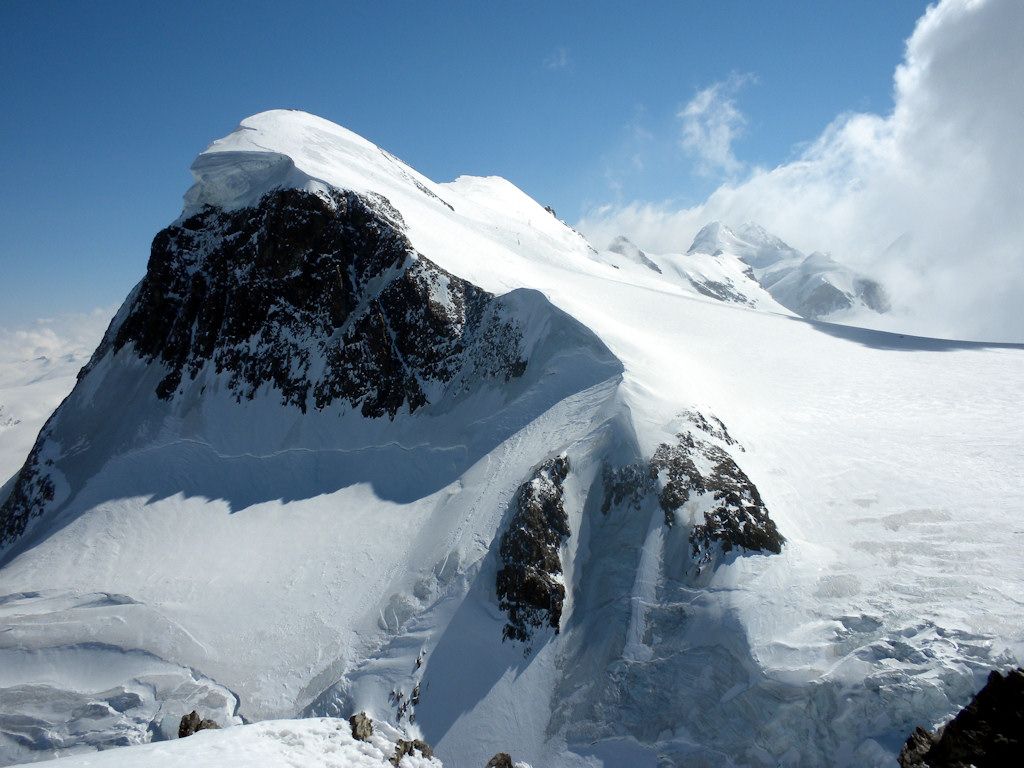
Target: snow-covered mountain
{"x": 815, "y": 287}
{"x": 362, "y": 441}
{"x": 718, "y": 277}
{"x": 752, "y": 268}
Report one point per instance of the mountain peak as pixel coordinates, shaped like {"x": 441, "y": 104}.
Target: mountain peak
{"x": 623, "y": 246}
{"x": 751, "y": 243}
{"x": 282, "y": 148}
{"x": 712, "y": 238}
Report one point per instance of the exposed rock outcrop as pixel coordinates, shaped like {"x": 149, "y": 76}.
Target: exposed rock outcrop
{"x": 362, "y": 726}
{"x": 500, "y": 760}
{"x": 736, "y": 516}
{"x": 987, "y": 733}
{"x": 410, "y": 747}
{"x": 192, "y": 723}
{"x": 712, "y": 426}
{"x": 722, "y": 290}
{"x": 699, "y": 469}
{"x": 530, "y": 590}
{"x": 628, "y": 484}
{"x": 32, "y": 491}
{"x": 322, "y": 297}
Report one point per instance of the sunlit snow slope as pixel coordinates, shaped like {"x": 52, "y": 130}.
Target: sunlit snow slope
{"x": 309, "y": 743}
{"x": 331, "y": 417}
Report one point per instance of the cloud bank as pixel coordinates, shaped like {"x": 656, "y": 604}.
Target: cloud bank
{"x": 75, "y": 334}
{"x": 929, "y": 199}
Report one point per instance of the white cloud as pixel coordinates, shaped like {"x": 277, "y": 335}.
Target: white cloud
{"x": 929, "y": 198}
{"x": 75, "y": 334}
{"x": 710, "y": 123}
{"x": 558, "y": 59}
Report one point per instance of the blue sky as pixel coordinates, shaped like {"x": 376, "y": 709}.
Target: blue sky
{"x": 106, "y": 104}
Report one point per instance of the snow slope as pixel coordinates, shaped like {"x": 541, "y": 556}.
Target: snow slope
{"x": 319, "y": 562}
{"x": 311, "y": 743}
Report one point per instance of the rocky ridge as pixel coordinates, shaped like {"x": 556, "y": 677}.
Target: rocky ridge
{"x": 529, "y": 585}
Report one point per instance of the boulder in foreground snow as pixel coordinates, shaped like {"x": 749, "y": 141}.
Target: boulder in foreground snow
{"x": 362, "y": 727}
{"x": 193, "y": 723}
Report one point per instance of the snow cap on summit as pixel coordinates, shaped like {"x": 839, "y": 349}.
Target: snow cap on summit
{"x": 284, "y": 148}
{"x": 751, "y": 243}
{"x": 710, "y": 238}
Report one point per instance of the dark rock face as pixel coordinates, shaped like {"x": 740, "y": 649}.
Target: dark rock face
{"x": 362, "y": 726}
{"x": 500, "y": 760}
{"x": 915, "y": 748}
{"x": 266, "y": 293}
{"x": 695, "y": 466}
{"x": 192, "y": 723}
{"x": 682, "y": 475}
{"x": 711, "y": 425}
{"x": 629, "y": 484}
{"x": 410, "y": 747}
{"x": 529, "y": 590}
{"x": 32, "y": 491}
{"x": 987, "y": 733}
{"x": 738, "y": 517}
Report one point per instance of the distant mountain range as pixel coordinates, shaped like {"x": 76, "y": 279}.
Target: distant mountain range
{"x": 740, "y": 265}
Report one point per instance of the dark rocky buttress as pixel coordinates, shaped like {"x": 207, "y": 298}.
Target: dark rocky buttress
{"x": 530, "y": 590}
{"x": 736, "y": 516}
{"x": 32, "y": 491}
{"x": 320, "y": 297}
